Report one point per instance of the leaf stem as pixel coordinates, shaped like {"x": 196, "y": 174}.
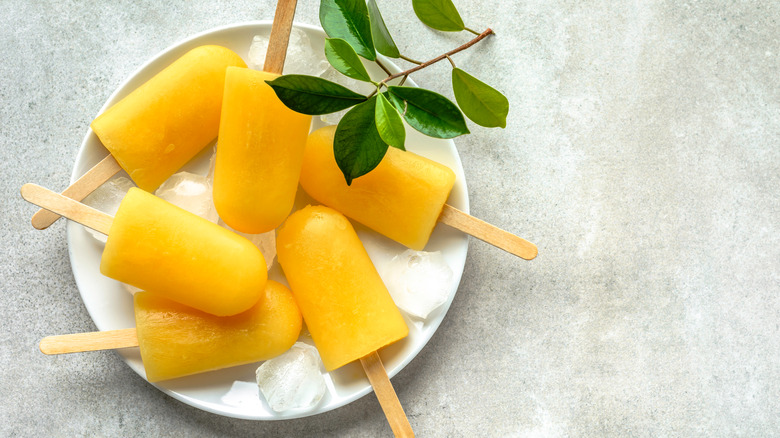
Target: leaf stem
{"x": 438, "y": 58}
{"x": 472, "y": 31}
{"x": 451, "y": 61}
{"x": 409, "y": 59}
{"x": 382, "y": 66}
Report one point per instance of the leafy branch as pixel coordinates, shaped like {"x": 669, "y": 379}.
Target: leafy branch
{"x": 447, "y": 55}
{"x": 357, "y": 30}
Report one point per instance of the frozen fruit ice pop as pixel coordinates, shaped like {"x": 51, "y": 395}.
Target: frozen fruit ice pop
{"x": 259, "y": 153}
{"x": 401, "y": 198}
{"x": 168, "y": 251}
{"x": 344, "y": 303}
{"x": 176, "y": 340}
{"x": 162, "y": 124}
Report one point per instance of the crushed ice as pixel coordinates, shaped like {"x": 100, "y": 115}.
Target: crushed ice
{"x": 418, "y": 281}
{"x": 302, "y": 57}
{"x": 107, "y": 198}
{"x": 292, "y": 380}
{"x": 191, "y": 192}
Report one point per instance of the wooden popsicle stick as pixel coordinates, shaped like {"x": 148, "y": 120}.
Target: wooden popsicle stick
{"x": 91, "y": 341}
{"x": 126, "y": 338}
{"x": 280, "y": 36}
{"x": 66, "y": 207}
{"x": 386, "y": 395}
{"x": 108, "y": 167}
{"x": 487, "y": 232}
{"x": 94, "y": 178}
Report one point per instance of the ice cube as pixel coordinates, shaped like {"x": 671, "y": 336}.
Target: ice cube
{"x": 418, "y": 281}
{"x": 265, "y": 242}
{"x": 191, "y": 192}
{"x": 302, "y": 56}
{"x": 333, "y": 75}
{"x": 257, "y": 49}
{"x": 292, "y": 380}
{"x": 107, "y": 198}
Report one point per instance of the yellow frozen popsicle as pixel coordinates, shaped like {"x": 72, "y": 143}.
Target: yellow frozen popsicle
{"x": 162, "y": 124}
{"x": 178, "y": 341}
{"x": 347, "y": 308}
{"x": 159, "y": 126}
{"x": 171, "y": 252}
{"x": 401, "y": 198}
{"x": 259, "y": 153}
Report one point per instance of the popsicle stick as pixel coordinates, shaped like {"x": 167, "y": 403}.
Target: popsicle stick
{"x": 94, "y": 178}
{"x": 487, "y": 232}
{"x": 66, "y": 207}
{"x": 91, "y": 341}
{"x": 126, "y": 338}
{"x": 386, "y": 395}
{"x": 280, "y": 36}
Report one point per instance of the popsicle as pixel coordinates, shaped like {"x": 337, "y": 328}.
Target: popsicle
{"x": 344, "y": 303}
{"x": 168, "y": 251}
{"x": 159, "y": 126}
{"x": 178, "y": 341}
{"x": 402, "y": 198}
{"x": 261, "y": 142}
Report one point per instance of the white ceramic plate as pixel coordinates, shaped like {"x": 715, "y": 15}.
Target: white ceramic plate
{"x": 111, "y": 307}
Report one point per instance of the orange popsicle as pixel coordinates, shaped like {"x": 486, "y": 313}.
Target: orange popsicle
{"x": 401, "y": 198}
{"x": 159, "y": 126}
{"x": 347, "y": 308}
{"x": 162, "y": 124}
{"x": 259, "y": 153}
{"x": 169, "y": 251}
{"x": 178, "y": 341}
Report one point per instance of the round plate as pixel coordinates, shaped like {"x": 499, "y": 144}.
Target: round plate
{"x": 232, "y": 392}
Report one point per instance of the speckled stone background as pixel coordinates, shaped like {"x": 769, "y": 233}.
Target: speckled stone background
{"x": 642, "y": 155}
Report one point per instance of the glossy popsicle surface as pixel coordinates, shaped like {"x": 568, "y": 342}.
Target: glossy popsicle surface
{"x": 161, "y": 125}
{"x": 259, "y": 153}
{"x": 176, "y": 340}
{"x": 401, "y": 198}
{"x": 168, "y": 251}
{"x": 347, "y": 308}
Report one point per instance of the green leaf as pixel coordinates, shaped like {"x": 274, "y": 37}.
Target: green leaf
{"x": 481, "y": 103}
{"x": 344, "y": 59}
{"x": 356, "y": 144}
{"x": 428, "y": 112}
{"x": 438, "y": 14}
{"x": 382, "y": 40}
{"x": 312, "y": 95}
{"x": 389, "y": 123}
{"x": 348, "y": 20}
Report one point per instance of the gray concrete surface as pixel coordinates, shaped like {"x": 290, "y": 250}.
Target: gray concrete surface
{"x": 642, "y": 155}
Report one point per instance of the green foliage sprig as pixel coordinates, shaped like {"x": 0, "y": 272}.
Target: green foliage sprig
{"x": 357, "y": 30}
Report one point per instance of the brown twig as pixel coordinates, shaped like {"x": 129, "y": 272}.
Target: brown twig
{"x": 438, "y": 58}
